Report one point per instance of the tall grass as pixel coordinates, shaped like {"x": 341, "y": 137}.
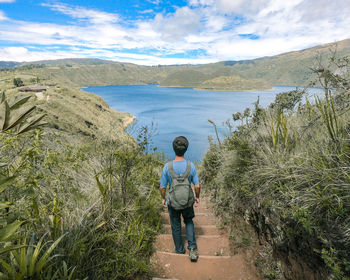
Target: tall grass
{"x": 286, "y": 171}
{"x": 90, "y": 209}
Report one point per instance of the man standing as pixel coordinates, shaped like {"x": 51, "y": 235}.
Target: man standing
{"x": 179, "y": 174}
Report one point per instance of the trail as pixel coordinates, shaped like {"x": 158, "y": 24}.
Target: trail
{"x": 215, "y": 259}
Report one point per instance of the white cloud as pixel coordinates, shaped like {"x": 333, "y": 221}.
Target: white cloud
{"x": 2, "y": 16}
{"x": 201, "y": 2}
{"x": 154, "y": 2}
{"x": 149, "y": 11}
{"x": 178, "y": 25}
{"x": 93, "y": 16}
{"x": 23, "y": 54}
{"x": 215, "y": 27}
{"x": 7, "y": 1}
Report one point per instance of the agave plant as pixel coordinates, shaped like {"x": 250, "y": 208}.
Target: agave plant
{"x": 29, "y": 262}
{"x": 16, "y": 115}
{"x": 7, "y": 231}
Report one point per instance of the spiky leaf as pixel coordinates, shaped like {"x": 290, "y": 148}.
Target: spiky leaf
{"x": 44, "y": 259}
{"x": 35, "y": 254}
{"x": 17, "y": 101}
{"x": 12, "y": 248}
{"x": 9, "y": 230}
{"x": 19, "y": 115}
{"x": 4, "y": 115}
{"x": 3, "y": 97}
{"x": 11, "y": 270}
{"x": 31, "y": 123}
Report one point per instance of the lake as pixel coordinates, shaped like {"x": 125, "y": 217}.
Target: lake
{"x": 183, "y": 111}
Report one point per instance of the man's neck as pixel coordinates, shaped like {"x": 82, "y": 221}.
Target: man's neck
{"x": 177, "y": 158}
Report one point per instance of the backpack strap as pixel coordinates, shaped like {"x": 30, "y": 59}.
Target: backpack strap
{"x": 184, "y": 175}
{"x": 171, "y": 170}
{"x": 188, "y": 170}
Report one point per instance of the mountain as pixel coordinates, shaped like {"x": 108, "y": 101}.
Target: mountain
{"x": 70, "y": 62}
{"x": 8, "y": 64}
{"x": 292, "y": 68}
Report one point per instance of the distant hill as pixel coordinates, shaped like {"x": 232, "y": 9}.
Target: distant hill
{"x": 8, "y": 64}
{"x": 71, "y": 61}
{"x": 291, "y": 68}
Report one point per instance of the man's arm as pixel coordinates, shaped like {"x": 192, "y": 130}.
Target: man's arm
{"x": 197, "y": 191}
{"x": 163, "y": 184}
{"x": 162, "y": 193}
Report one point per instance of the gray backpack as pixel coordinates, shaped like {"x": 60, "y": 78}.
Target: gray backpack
{"x": 181, "y": 194}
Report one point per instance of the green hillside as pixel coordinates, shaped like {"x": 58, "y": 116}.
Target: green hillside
{"x": 291, "y": 68}
{"x": 68, "y": 108}
{"x": 78, "y": 196}
{"x": 70, "y": 62}
{"x": 237, "y": 82}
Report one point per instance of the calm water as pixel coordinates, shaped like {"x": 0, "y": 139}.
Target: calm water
{"x": 182, "y": 111}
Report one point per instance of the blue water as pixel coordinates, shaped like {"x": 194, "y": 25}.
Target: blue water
{"x": 182, "y": 111}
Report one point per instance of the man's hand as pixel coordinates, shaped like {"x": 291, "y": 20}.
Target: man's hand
{"x": 196, "y": 202}
{"x": 164, "y": 203}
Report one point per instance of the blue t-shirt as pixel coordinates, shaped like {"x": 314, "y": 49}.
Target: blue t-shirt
{"x": 179, "y": 168}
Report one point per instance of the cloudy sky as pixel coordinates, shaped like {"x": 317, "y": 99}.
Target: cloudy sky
{"x": 152, "y": 32}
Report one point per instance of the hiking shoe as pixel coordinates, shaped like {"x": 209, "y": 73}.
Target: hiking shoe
{"x": 193, "y": 254}
{"x": 176, "y": 252}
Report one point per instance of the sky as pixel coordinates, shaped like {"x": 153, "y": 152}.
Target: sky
{"x": 153, "y": 32}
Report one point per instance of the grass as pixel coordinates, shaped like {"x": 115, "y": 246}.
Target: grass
{"x": 285, "y": 171}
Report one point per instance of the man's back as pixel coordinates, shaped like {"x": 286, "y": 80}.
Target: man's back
{"x": 179, "y": 168}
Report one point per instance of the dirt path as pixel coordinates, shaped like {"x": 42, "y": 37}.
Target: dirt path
{"x": 215, "y": 262}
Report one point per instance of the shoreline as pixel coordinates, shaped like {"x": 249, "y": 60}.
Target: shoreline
{"x": 213, "y": 89}
{"x": 169, "y": 86}
{"x": 128, "y": 121}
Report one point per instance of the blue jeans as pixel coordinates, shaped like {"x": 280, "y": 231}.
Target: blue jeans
{"x": 175, "y": 221}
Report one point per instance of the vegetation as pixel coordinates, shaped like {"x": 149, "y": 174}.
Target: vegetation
{"x": 18, "y": 82}
{"x": 285, "y": 170}
{"x": 78, "y": 197}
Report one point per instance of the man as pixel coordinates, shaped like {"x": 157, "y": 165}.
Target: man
{"x": 178, "y": 167}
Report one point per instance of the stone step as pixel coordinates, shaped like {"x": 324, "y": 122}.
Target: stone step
{"x": 199, "y": 230}
{"x": 156, "y": 278}
{"x": 209, "y": 245}
{"x": 200, "y": 219}
{"x": 170, "y": 265}
{"x": 203, "y": 208}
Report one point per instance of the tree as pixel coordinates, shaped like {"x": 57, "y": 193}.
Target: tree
{"x": 18, "y": 82}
